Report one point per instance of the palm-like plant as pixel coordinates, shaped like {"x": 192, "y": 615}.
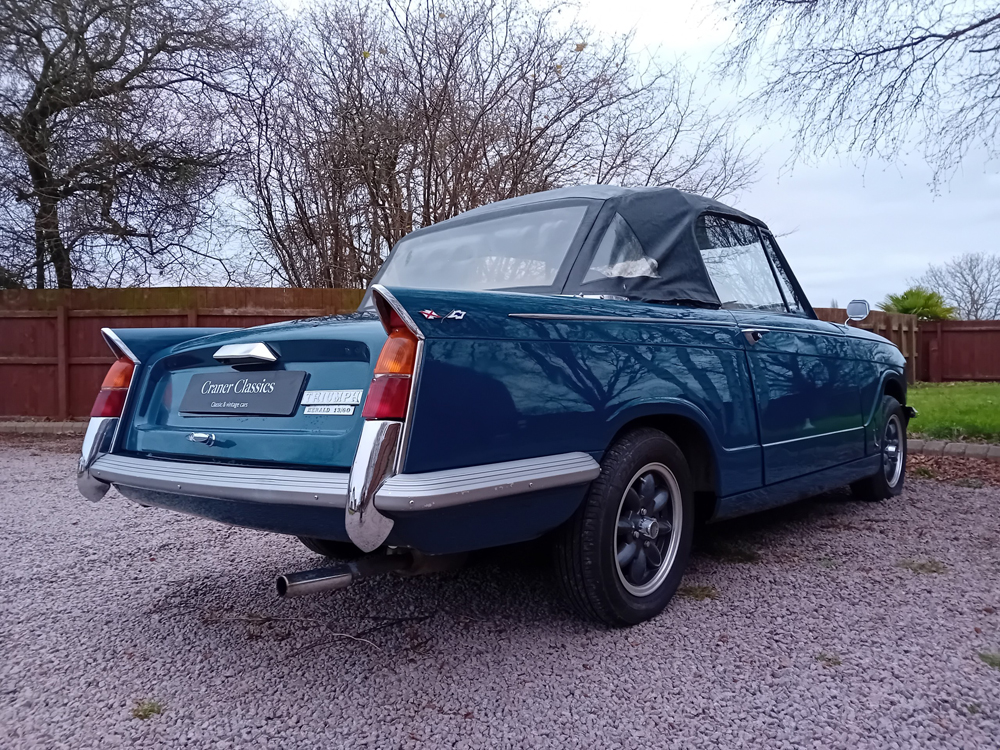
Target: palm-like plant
{"x": 919, "y": 301}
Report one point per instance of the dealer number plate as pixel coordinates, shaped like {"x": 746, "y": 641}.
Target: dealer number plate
{"x": 244, "y": 393}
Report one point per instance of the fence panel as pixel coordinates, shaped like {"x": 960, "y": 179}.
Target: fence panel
{"x": 960, "y": 350}
{"x": 52, "y": 355}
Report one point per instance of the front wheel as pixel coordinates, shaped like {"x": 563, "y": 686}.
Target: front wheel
{"x": 888, "y": 480}
{"x": 621, "y": 557}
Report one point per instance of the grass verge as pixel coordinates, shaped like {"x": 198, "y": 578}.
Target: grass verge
{"x": 956, "y": 411}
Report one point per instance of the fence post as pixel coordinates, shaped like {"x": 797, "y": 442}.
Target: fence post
{"x": 934, "y": 365}
{"x": 62, "y": 366}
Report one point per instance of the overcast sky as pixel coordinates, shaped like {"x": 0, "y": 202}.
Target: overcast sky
{"x": 855, "y": 230}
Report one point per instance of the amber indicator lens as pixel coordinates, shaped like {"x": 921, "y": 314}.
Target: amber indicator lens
{"x": 398, "y": 354}
{"x": 120, "y": 374}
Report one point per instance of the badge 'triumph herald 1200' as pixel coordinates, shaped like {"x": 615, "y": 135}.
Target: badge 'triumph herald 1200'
{"x": 453, "y": 315}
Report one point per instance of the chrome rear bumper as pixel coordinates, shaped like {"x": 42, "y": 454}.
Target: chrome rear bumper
{"x": 224, "y": 481}
{"x": 399, "y": 494}
{"x": 363, "y": 495}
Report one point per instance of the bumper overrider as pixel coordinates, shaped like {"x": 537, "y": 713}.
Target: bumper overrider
{"x": 371, "y": 496}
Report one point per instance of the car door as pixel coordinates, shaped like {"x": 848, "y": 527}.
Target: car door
{"x": 806, "y": 389}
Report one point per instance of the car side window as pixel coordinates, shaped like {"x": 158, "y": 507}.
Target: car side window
{"x": 620, "y": 255}
{"x": 791, "y": 298}
{"x": 737, "y": 264}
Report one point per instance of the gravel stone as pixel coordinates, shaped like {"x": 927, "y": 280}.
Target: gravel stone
{"x": 823, "y": 642}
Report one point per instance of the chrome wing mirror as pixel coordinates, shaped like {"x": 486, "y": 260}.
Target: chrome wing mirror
{"x": 857, "y": 309}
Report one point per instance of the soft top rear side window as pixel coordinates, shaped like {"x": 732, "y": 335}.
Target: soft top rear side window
{"x": 620, "y": 255}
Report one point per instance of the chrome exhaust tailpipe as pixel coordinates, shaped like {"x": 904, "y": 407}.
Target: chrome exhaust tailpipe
{"x": 336, "y": 577}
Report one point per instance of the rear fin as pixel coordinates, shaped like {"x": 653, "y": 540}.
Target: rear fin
{"x": 139, "y": 344}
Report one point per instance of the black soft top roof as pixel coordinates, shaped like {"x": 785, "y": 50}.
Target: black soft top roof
{"x": 664, "y": 221}
{"x": 626, "y": 200}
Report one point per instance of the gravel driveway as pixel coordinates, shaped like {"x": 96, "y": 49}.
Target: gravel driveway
{"x": 828, "y": 629}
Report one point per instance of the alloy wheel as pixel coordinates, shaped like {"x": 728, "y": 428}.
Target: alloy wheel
{"x": 649, "y": 529}
{"x": 892, "y": 451}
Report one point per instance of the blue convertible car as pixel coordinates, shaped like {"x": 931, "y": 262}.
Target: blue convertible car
{"x": 604, "y": 366}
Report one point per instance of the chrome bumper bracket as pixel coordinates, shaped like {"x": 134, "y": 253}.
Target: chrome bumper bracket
{"x": 96, "y": 443}
{"x": 373, "y": 464}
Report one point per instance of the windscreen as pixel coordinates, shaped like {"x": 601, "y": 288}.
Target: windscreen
{"x": 515, "y": 250}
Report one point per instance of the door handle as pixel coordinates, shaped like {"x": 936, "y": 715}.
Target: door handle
{"x": 754, "y": 335}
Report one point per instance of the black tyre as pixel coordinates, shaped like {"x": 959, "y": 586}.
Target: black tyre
{"x": 622, "y": 555}
{"x": 889, "y": 480}
{"x": 327, "y": 548}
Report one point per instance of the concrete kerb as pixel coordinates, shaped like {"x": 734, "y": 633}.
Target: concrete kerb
{"x": 953, "y": 449}
{"x": 43, "y": 428}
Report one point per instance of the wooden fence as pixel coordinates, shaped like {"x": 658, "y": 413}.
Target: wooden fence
{"x": 52, "y": 356}
{"x": 902, "y": 330}
{"x": 959, "y": 350}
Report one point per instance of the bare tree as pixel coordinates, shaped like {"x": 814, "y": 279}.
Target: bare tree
{"x": 969, "y": 283}
{"x": 874, "y": 76}
{"x": 110, "y": 149}
{"x": 368, "y": 119}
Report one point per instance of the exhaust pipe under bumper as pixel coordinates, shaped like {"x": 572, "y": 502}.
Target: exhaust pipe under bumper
{"x": 340, "y": 576}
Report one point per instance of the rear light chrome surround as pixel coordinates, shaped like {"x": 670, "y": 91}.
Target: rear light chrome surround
{"x": 102, "y": 431}
{"x": 387, "y": 304}
{"x": 382, "y": 448}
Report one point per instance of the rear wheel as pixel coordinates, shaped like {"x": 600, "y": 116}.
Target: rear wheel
{"x": 889, "y": 479}
{"x": 327, "y": 548}
{"x": 621, "y": 557}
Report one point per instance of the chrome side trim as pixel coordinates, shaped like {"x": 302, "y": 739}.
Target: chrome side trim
{"x": 373, "y": 463}
{"x": 782, "y": 329}
{"x": 445, "y": 489}
{"x": 259, "y": 350}
{"x": 387, "y": 296}
{"x": 620, "y": 319}
{"x": 741, "y": 448}
{"x": 225, "y": 482}
{"x": 96, "y": 443}
{"x": 117, "y": 345}
{"x": 812, "y": 437}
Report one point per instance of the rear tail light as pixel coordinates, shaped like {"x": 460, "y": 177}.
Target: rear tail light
{"x": 111, "y": 398}
{"x": 389, "y": 392}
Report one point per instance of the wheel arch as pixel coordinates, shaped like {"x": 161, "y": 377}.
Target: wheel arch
{"x": 690, "y": 429}
{"x": 893, "y": 385}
